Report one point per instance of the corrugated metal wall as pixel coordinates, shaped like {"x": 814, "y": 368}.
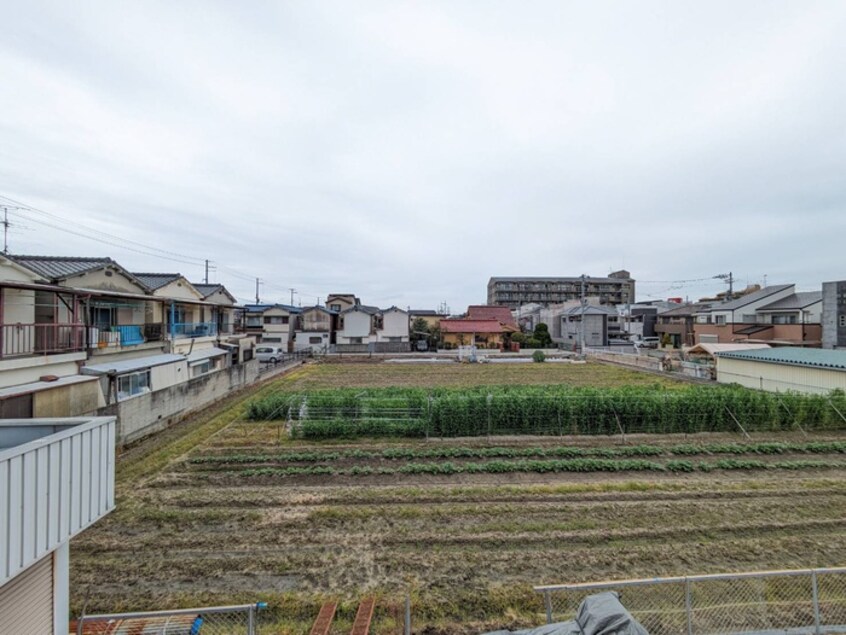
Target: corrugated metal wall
{"x": 52, "y": 492}
{"x": 26, "y": 603}
{"x": 778, "y": 377}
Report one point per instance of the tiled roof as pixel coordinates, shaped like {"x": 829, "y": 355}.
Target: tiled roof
{"x": 207, "y": 289}
{"x": 155, "y": 281}
{"x": 491, "y": 312}
{"x": 423, "y": 312}
{"x": 796, "y": 301}
{"x": 261, "y": 308}
{"x": 749, "y": 298}
{"x": 794, "y": 356}
{"x": 690, "y": 308}
{"x": 318, "y": 307}
{"x": 60, "y": 267}
{"x": 592, "y": 309}
{"x": 475, "y": 326}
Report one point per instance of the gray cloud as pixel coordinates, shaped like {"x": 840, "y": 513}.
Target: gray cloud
{"x": 409, "y": 151}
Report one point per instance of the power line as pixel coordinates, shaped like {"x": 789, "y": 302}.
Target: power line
{"x": 24, "y": 206}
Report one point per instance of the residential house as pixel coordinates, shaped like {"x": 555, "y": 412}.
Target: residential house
{"x": 57, "y": 477}
{"x": 358, "y": 325}
{"x": 678, "y": 323}
{"x": 223, "y": 309}
{"x": 394, "y": 326}
{"x": 89, "y": 337}
{"x": 483, "y": 333}
{"x": 617, "y": 288}
{"x": 271, "y": 323}
{"x": 340, "y": 302}
{"x": 775, "y": 315}
{"x": 592, "y": 324}
{"x": 834, "y": 314}
{"x": 490, "y": 312}
{"x": 315, "y": 330}
{"x": 430, "y": 316}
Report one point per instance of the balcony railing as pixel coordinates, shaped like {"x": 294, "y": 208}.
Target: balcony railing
{"x": 40, "y": 339}
{"x": 192, "y": 329}
{"x": 125, "y": 335}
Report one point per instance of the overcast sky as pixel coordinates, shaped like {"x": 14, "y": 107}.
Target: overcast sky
{"x": 409, "y": 151}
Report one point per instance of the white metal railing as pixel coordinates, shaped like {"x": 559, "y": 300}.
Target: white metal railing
{"x": 795, "y": 601}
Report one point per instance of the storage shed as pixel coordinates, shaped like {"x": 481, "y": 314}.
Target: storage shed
{"x": 806, "y": 370}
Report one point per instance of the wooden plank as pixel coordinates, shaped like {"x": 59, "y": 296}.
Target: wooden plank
{"x": 361, "y": 625}
{"x": 324, "y": 619}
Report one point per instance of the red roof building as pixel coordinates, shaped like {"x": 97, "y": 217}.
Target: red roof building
{"x": 488, "y": 312}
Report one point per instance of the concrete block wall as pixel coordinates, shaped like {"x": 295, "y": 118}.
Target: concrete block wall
{"x": 145, "y": 414}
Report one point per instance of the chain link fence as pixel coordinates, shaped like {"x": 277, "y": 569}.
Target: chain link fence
{"x": 216, "y": 620}
{"x": 804, "y": 601}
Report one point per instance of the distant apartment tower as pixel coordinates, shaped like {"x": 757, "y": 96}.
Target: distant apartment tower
{"x": 617, "y": 288}
{"x": 834, "y": 314}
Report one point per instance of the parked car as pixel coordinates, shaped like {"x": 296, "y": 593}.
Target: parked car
{"x": 648, "y": 342}
{"x": 271, "y": 354}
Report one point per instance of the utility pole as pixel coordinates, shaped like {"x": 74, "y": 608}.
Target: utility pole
{"x": 207, "y": 271}
{"x": 5, "y": 230}
{"x": 728, "y": 277}
{"x": 293, "y": 291}
{"x": 258, "y": 282}
{"x": 582, "y": 320}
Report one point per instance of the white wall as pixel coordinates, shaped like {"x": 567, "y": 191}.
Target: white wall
{"x": 302, "y": 342}
{"x": 394, "y": 324}
{"x": 356, "y": 324}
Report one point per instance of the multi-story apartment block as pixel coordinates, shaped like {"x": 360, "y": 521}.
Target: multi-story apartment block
{"x": 617, "y": 288}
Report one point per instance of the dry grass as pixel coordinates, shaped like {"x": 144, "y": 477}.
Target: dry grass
{"x": 467, "y": 550}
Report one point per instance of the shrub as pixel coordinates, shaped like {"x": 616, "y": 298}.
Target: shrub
{"x": 538, "y": 356}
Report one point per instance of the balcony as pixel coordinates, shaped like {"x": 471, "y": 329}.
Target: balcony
{"x": 20, "y": 340}
{"x": 192, "y": 329}
{"x": 125, "y": 335}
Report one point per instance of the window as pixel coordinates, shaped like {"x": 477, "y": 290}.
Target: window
{"x": 788, "y": 318}
{"x": 276, "y": 319}
{"x": 201, "y": 368}
{"x": 335, "y": 307}
{"x": 355, "y": 340}
{"x": 719, "y": 319}
{"x": 843, "y": 320}
{"x": 395, "y": 339}
{"x": 253, "y": 320}
{"x": 315, "y": 339}
{"x": 133, "y": 384}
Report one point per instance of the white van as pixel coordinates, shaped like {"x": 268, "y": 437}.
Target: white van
{"x": 269, "y": 353}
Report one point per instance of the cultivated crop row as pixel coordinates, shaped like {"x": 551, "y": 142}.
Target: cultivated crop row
{"x": 546, "y": 410}
{"x": 407, "y": 453}
{"x": 542, "y": 467}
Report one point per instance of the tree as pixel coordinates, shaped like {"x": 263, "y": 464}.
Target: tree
{"x": 542, "y": 335}
{"x": 419, "y": 329}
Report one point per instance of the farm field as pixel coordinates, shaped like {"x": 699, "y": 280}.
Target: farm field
{"x": 228, "y": 510}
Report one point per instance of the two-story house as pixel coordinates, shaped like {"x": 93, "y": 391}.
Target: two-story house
{"x": 358, "y": 325}
{"x": 271, "y": 323}
{"x": 315, "y": 329}
{"x": 394, "y": 326}
{"x": 776, "y": 315}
